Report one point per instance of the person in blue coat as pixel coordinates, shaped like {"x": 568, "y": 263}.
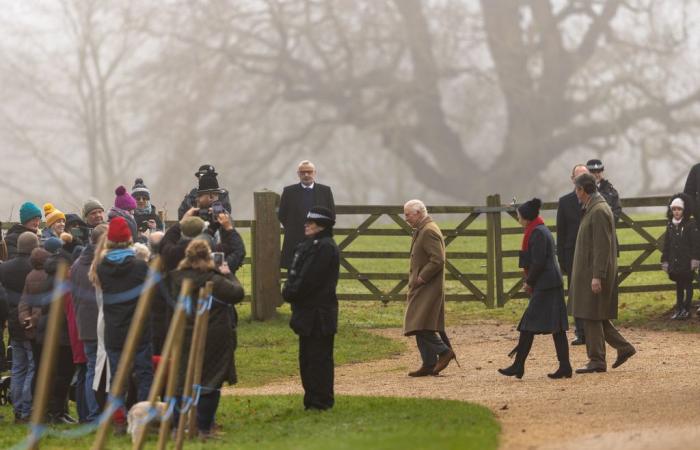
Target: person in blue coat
{"x": 546, "y": 310}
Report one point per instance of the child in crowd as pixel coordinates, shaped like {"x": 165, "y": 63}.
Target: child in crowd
{"x": 681, "y": 253}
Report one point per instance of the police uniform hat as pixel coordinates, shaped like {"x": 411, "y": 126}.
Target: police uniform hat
{"x": 208, "y": 184}
{"x": 322, "y": 216}
{"x": 205, "y": 168}
{"x": 595, "y": 165}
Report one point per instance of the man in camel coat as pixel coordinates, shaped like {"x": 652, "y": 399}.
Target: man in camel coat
{"x": 593, "y": 289}
{"x": 425, "y": 308}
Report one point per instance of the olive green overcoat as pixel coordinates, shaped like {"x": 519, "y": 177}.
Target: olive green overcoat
{"x": 595, "y": 257}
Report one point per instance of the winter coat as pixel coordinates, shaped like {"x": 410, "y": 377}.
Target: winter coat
{"x": 50, "y": 267}
{"x": 76, "y": 345}
{"x": 681, "y": 245}
{"x": 546, "y": 310}
{"x": 4, "y": 308}
{"x": 35, "y": 293}
{"x": 425, "y": 307}
{"x": 294, "y": 206}
{"x": 190, "y": 201}
{"x": 140, "y": 217}
{"x": 311, "y": 286}
{"x": 12, "y": 276}
{"x": 83, "y": 292}
{"x": 595, "y": 257}
{"x": 121, "y": 281}
{"x": 11, "y": 239}
{"x": 219, "y": 363}
{"x": 692, "y": 188}
{"x": 568, "y": 220}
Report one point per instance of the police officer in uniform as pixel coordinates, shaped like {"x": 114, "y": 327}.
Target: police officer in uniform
{"x": 605, "y": 187}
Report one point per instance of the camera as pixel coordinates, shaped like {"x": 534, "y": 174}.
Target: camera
{"x": 143, "y": 226}
{"x": 216, "y": 209}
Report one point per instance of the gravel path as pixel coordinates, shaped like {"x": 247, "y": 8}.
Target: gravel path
{"x": 651, "y": 402}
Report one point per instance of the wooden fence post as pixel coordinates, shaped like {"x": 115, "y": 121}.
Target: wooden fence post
{"x": 498, "y": 253}
{"x": 266, "y": 295}
{"x": 48, "y": 356}
{"x": 490, "y": 253}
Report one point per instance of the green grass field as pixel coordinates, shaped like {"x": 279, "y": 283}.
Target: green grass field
{"x": 280, "y": 422}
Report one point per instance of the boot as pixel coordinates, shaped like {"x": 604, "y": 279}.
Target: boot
{"x": 564, "y": 371}
{"x": 517, "y": 369}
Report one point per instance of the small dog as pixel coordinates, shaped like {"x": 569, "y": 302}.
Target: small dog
{"x": 137, "y": 416}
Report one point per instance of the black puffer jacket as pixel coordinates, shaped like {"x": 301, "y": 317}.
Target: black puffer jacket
{"x": 13, "y": 273}
{"x": 311, "y": 286}
{"x": 121, "y": 281}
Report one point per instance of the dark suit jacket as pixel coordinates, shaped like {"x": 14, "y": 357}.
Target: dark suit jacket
{"x": 292, "y": 215}
{"x": 692, "y": 188}
{"x": 568, "y": 221}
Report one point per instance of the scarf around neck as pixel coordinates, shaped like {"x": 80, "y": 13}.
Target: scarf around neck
{"x": 528, "y": 231}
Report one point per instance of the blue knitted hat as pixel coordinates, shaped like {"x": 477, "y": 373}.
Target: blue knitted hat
{"x": 28, "y": 211}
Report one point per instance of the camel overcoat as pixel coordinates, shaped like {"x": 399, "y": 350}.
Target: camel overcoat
{"x": 595, "y": 257}
{"x": 425, "y": 307}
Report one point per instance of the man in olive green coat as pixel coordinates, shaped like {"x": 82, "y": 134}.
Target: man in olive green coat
{"x": 425, "y": 308}
{"x": 593, "y": 289}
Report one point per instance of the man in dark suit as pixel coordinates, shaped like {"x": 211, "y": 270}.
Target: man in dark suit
{"x": 568, "y": 221}
{"x": 297, "y": 199}
{"x": 692, "y": 188}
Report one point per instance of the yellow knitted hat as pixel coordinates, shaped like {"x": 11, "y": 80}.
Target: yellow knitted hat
{"x": 52, "y": 215}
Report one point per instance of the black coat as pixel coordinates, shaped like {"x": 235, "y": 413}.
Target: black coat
{"x": 50, "y": 267}
{"x": 692, "y": 188}
{"x": 681, "y": 245}
{"x": 11, "y": 239}
{"x": 12, "y": 276}
{"x": 311, "y": 287}
{"x": 568, "y": 221}
{"x": 546, "y": 310}
{"x": 292, "y": 214}
{"x": 219, "y": 363}
{"x": 121, "y": 284}
{"x": 84, "y": 298}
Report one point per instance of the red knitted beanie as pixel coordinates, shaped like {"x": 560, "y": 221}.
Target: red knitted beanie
{"x": 119, "y": 230}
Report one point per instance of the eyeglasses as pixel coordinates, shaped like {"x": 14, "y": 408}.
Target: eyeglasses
{"x": 305, "y": 172}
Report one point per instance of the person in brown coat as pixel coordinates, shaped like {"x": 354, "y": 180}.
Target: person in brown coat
{"x": 425, "y": 307}
{"x": 593, "y": 290}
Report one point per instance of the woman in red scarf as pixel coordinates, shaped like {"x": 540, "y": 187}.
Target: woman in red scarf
{"x": 546, "y": 310}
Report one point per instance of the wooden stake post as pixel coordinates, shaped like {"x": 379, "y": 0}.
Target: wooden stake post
{"x": 197, "y": 337}
{"x": 199, "y": 363}
{"x": 132, "y": 340}
{"x": 48, "y": 356}
{"x": 177, "y": 322}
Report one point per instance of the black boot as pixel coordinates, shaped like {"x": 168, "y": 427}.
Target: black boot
{"x": 562, "y": 348}
{"x": 517, "y": 369}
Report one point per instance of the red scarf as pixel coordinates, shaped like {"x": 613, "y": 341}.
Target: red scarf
{"x": 528, "y": 231}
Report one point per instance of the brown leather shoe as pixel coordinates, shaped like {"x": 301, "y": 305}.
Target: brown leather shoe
{"x": 443, "y": 360}
{"x": 424, "y": 371}
{"x": 622, "y": 358}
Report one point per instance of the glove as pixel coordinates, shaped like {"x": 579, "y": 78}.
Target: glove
{"x": 694, "y": 264}
{"x": 664, "y": 266}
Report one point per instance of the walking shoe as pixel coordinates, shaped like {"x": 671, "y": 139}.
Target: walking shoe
{"x": 684, "y": 314}
{"x": 513, "y": 370}
{"x": 578, "y": 341}
{"x": 588, "y": 368}
{"x": 424, "y": 371}
{"x": 623, "y": 357}
{"x": 443, "y": 360}
{"x": 675, "y": 314}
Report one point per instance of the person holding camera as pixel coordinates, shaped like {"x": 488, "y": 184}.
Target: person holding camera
{"x": 145, "y": 214}
{"x": 190, "y": 199}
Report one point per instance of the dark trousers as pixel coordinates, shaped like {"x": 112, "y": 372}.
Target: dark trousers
{"x": 60, "y": 382}
{"x": 316, "y": 369}
{"x": 206, "y": 409}
{"x": 684, "y": 294}
{"x": 561, "y": 346}
{"x": 430, "y": 345}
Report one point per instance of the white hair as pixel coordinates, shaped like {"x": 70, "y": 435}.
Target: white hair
{"x": 416, "y": 205}
{"x": 306, "y": 162}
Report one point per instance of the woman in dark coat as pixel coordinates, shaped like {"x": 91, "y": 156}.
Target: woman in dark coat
{"x": 311, "y": 289}
{"x": 546, "y": 310}
{"x": 219, "y": 364}
{"x": 681, "y": 253}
